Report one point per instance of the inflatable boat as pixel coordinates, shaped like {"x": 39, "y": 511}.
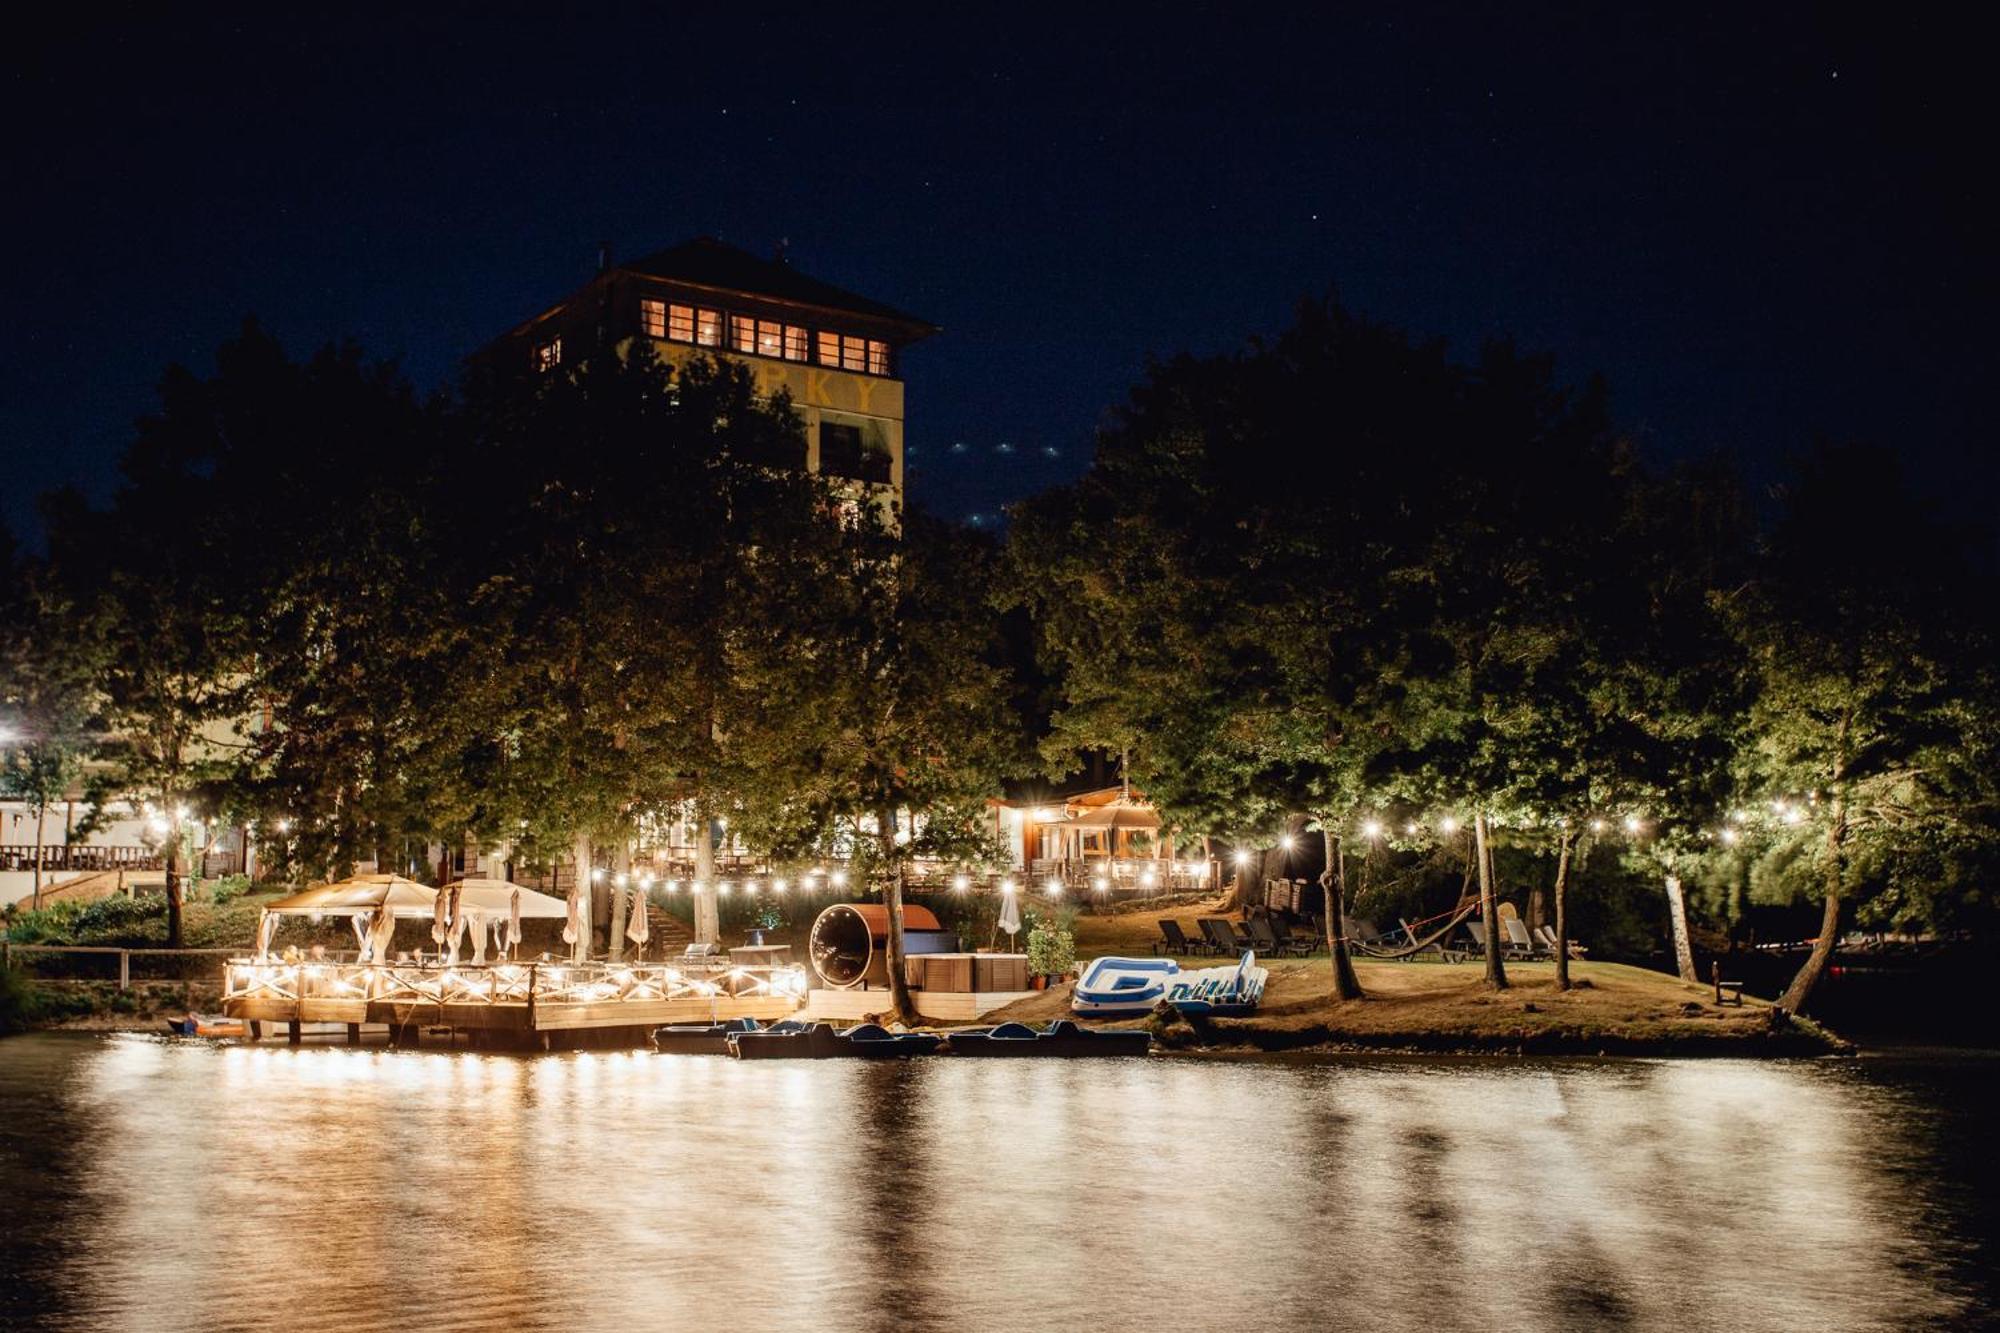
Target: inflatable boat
{"x": 207, "y": 1025}
{"x": 870, "y": 1041}
{"x": 1124, "y": 987}
{"x": 1062, "y": 1040}
{"x": 712, "y": 1038}
{"x": 1220, "y": 992}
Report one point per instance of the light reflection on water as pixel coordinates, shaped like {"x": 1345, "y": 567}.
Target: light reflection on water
{"x": 154, "y": 1185}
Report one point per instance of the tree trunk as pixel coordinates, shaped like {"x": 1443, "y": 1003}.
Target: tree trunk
{"x": 581, "y": 852}
{"x": 707, "y": 919}
{"x": 174, "y": 886}
{"x": 1538, "y": 908}
{"x": 899, "y": 983}
{"x": 1677, "y": 918}
{"x": 621, "y": 891}
{"x": 1489, "y": 906}
{"x": 1794, "y": 999}
{"x": 1562, "y": 911}
{"x": 1346, "y": 985}
{"x": 41, "y": 814}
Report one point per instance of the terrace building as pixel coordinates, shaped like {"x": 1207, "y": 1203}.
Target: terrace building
{"x": 838, "y": 354}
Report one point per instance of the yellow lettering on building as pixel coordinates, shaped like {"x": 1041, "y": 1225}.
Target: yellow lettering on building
{"x": 864, "y": 390}
{"x": 816, "y": 382}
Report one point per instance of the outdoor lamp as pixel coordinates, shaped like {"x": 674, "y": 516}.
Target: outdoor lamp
{"x": 959, "y": 883}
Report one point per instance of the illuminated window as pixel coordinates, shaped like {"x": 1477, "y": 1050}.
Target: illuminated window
{"x": 708, "y": 328}
{"x": 770, "y": 338}
{"x": 878, "y": 358}
{"x": 680, "y": 323}
{"x": 742, "y": 333}
{"x": 549, "y": 354}
{"x": 795, "y": 343}
{"x": 653, "y": 318}
{"x": 853, "y": 353}
{"x": 829, "y": 349}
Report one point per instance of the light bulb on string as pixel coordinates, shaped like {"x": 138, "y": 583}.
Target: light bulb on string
{"x": 1447, "y": 826}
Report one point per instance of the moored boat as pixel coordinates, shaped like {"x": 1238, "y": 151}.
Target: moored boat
{"x": 207, "y": 1025}
{"x": 869, "y": 1041}
{"x": 712, "y": 1038}
{"x": 1061, "y": 1040}
{"x": 1123, "y": 987}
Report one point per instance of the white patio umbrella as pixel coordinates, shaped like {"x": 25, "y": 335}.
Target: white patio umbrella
{"x": 514, "y": 921}
{"x": 379, "y": 897}
{"x": 440, "y": 919}
{"x": 1010, "y": 913}
{"x": 267, "y": 926}
{"x": 380, "y": 936}
{"x": 454, "y": 922}
{"x": 639, "y": 930}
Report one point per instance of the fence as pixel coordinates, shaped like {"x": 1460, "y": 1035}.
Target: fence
{"x": 102, "y": 959}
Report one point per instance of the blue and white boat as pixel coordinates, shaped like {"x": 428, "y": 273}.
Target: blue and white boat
{"x": 1123, "y": 986}
{"x": 1220, "y": 992}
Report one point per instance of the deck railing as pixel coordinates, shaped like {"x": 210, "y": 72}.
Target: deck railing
{"x": 533, "y": 983}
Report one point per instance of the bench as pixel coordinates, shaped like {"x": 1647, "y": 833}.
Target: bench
{"x": 1733, "y": 990}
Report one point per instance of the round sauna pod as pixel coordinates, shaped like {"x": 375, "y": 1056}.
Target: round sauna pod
{"x": 850, "y": 942}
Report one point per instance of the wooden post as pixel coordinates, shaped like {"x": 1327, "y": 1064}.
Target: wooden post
{"x": 1677, "y": 914}
{"x": 353, "y": 1034}
{"x": 124, "y": 969}
{"x": 1715, "y": 975}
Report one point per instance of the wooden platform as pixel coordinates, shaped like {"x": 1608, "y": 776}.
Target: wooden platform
{"x": 508, "y": 1004}
{"x": 945, "y": 1006}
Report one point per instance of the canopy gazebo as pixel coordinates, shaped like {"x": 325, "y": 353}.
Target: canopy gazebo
{"x": 378, "y": 900}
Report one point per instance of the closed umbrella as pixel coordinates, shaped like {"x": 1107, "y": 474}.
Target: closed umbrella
{"x": 360, "y": 925}
{"x": 477, "y": 926}
{"x": 638, "y": 930}
{"x": 382, "y": 935}
{"x": 1010, "y": 913}
{"x": 440, "y": 919}
{"x": 267, "y": 926}
{"x": 514, "y": 920}
{"x": 454, "y": 923}
{"x": 577, "y": 926}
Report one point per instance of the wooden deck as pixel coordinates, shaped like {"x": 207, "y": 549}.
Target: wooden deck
{"x": 508, "y": 1004}
{"x": 945, "y": 1006}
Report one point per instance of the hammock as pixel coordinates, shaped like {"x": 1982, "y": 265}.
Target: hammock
{"x": 1457, "y": 914}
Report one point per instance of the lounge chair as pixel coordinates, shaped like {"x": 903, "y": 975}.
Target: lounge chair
{"x": 1216, "y": 931}
{"x": 1554, "y": 945}
{"x": 1477, "y": 929}
{"x": 1262, "y": 938}
{"x": 1298, "y": 945}
{"x": 1174, "y": 940}
{"x": 1519, "y": 943}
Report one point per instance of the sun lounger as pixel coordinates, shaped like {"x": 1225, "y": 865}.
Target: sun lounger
{"x": 1517, "y": 942}
{"x": 1174, "y": 940}
{"x": 1290, "y": 942}
{"x": 1216, "y": 931}
{"x": 1552, "y": 944}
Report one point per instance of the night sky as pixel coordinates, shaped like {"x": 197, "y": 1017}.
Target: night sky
{"x": 1759, "y": 222}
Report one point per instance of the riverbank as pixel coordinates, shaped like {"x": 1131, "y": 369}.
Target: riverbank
{"x": 1444, "y": 1007}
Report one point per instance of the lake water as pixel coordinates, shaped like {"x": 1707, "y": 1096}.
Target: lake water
{"x": 157, "y": 1185}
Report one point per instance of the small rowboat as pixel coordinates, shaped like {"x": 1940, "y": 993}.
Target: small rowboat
{"x": 1062, "y": 1040}
{"x": 712, "y": 1038}
{"x": 207, "y": 1025}
{"x": 870, "y": 1041}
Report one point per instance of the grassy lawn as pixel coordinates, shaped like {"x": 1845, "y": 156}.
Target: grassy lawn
{"x": 1614, "y": 1008}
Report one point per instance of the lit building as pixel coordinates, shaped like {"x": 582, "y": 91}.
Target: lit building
{"x": 837, "y": 353}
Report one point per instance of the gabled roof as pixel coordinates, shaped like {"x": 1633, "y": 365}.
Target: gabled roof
{"x": 707, "y": 262}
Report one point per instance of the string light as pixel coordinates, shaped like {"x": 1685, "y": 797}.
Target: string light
{"x": 1597, "y": 826}
{"x": 1372, "y": 829}
{"x": 722, "y": 889}
{"x": 1286, "y": 842}
{"x": 673, "y": 886}
{"x": 596, "y": 876}
{"x": 1053, "y": 888}
{"x": 1631, "y": 823}
{"x": 1100, "y": 884}
{"x": 1148, "y": 879}
{"x": 960, "y": 883}
{"x": 777, "y": 886}
{"x": 839, "y": 878}
{"x": 1006, "y": 886}
{"x": 1242, "y": 858}
{"x": 1729, "y": 835}
{"x": 1410, "y": 829}
{"x": 1447, "y": 826}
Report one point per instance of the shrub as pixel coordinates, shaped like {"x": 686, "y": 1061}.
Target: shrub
{"x": 228, "y": 888}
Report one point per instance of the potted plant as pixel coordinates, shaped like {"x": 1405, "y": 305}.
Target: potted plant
{"x": 1051, "y": 951}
